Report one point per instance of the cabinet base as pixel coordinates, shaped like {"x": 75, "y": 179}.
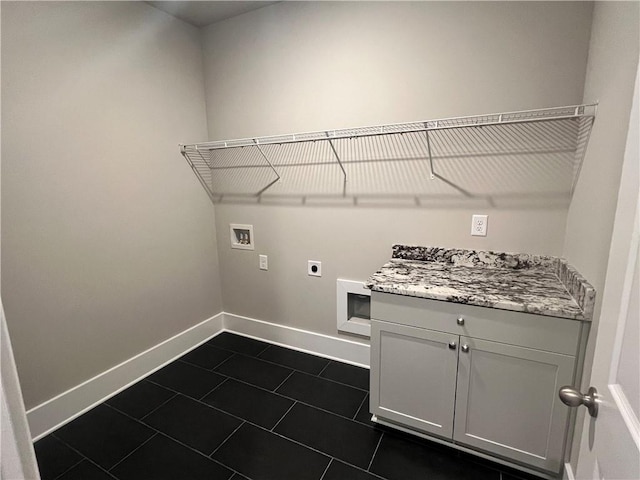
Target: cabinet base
{"x": 462, "y": 448}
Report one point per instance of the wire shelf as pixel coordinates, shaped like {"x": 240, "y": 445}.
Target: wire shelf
{"x": 505, "y": 151}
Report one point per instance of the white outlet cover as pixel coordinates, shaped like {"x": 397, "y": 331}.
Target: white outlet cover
{"x": 479, "y": 225}
{"x": 264, "y": 262}
{"x": 314, "y": 268}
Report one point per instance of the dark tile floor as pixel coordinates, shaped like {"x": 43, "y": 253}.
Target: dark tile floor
{"x": 236, "y": 409}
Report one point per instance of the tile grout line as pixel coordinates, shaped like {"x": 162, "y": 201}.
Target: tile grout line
{"x": 132, "y": 452}
{"x": 282, "y": 417}
{"x": 256, "y": 357}
{"x": 82, "y": 455}
{"x": 265, "y": 390}
{"x": 263, "y": 350}
{"x": 283, "y": 382}
{"x": 153, "y": 410}
{"x": 82, "y": 459}
{"x": 325, "y": 367}
{"x": 375, "y": 451}
{"x": 361, "y": 469}
{"x": 166, "y": 435}
{"x": 225, "y": 440}
{"x": 273, "y": 392}
{"x": 212, "y": 369}
{"x": 327, "y": 468}
{"x": 215, "y": 388}
{"x": 226, "y": 413}
{"x": 359, "y": 408}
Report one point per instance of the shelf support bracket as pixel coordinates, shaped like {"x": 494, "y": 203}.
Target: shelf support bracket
{"x": 431, "y": 173}
{"x": 344, "y": 173}
{"x": 202, "y": 181}
{"x": 272, "y": 168}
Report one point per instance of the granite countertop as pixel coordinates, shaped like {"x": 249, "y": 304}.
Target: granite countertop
{"x": 536, "y": 284}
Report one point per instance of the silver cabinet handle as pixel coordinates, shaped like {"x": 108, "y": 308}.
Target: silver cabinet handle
{"x": 465, "y": 348}
{"x": 452, "y": 345}
{"x": 573, "y": 398}
{"x": 460, "y": 321}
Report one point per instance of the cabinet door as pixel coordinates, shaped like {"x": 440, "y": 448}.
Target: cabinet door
{"x": 413, "y": 372}
{"x": 508, "y": 401}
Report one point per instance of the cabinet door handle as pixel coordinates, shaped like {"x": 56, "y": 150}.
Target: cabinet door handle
{"x": 452, "y": 345}
{"x": 465, "y": 348}
{"x": 460, "y": 321}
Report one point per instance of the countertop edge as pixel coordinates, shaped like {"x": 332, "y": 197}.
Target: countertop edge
{"x": 577, "y": 287}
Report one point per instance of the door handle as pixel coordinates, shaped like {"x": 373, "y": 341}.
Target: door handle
{"x": 573, "y": 398}
{"x": 452, "y": 345}
{"x": 465, "y": 348}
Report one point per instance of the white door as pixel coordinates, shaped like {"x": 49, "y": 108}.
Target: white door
{"x": 610, "y": 444}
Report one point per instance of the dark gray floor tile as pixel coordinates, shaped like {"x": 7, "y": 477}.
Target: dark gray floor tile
{"x": 206, "y": 356}
{"x": 262, "y": 455}
{"x": 508, "y": 473}
{"x": 341, "y": 471}
{"x": 363, "y": 415}
{"x": 336, "y": 436}
{"x": 349, "y": 374}
{"x": 54, "y": 457}
{"x": 140, "y": 399}
{"x": 322, "y": 393}
{"x": 163, "y": 459}
{"x": 86, "y": 470}
{"x": 187, "y": 379}
{"x": 193, "y": 423}
{"x": 238, "y": 343}
{"x": 104, "y": 435}
{"x": 293, "y": 359}
{"x": 518, "y": 475}
{"x": 400, "y": 459}
{"x": 250, "y": 403}
{"x": 254, "y": 371}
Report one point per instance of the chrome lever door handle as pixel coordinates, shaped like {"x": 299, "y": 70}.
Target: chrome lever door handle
{"x": 573, "y": 398}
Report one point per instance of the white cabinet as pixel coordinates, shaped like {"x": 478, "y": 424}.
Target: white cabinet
{"x": 405, "y": 390}
{"x": 477, "y": 377}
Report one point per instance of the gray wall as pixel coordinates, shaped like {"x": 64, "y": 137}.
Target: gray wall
{"x": 108, "y": 244}
{"x": 301, "y": 66}
{"x": 611, "y": 72}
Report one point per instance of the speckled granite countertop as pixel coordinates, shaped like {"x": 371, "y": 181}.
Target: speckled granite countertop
{"x": 509, "y": 281}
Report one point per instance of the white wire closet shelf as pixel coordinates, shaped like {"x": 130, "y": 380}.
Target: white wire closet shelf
{"x": 502, "y": 155}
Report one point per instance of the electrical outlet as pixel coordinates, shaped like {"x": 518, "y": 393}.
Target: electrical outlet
{"x": 479, "y": 225}
{"x": 314, "y": 268}
{"x": 264, "y": 262}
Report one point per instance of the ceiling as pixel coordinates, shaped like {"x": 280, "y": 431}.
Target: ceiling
{"x": 201, "y": 13}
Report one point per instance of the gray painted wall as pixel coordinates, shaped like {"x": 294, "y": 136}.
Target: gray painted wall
{"x": 108, "y": 247}
{"x": 301, "y": 66}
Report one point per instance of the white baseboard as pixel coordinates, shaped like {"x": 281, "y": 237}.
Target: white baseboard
{"x": 568, "y": 472}
{"x": 63, "y": 408}
{"x": 52, "y": 414}
{"x": 319, "y": 344}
